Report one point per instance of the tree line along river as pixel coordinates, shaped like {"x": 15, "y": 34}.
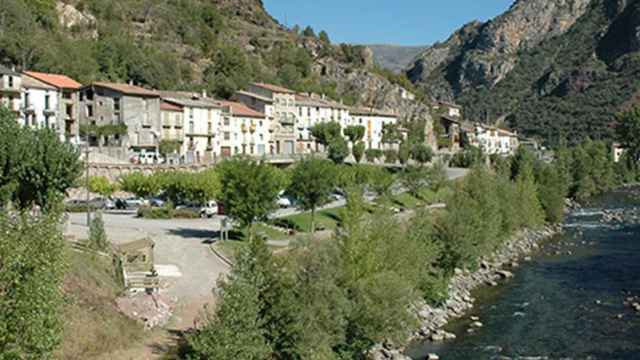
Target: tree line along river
{"x": 575, "y": 300}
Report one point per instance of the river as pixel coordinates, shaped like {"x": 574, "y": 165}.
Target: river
{"x": 568, "y": 303}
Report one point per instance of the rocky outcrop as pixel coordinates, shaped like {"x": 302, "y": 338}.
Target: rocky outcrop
{"x": 483, "y": 54}
{"x": 70, "y": 17}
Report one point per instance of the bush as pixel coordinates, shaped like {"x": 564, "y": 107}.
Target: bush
{"x": 186, "y": 214}
{"x": 373, "y": 154}
{"x": 468, "y": 158}
{"x": 97, "y": 235}
{"x": 146, "y": 212}
{"x": 391, "y": 156}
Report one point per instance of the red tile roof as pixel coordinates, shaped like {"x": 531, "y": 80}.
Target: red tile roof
{"x": 127, "y": 89}
{"x": 167, "y": 106}
{"x": 274, "y": 88}
{"x": 57, "y": 80}
{"x": 239, "y": 109}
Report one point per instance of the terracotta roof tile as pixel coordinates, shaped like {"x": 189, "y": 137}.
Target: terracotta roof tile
{"x": 57, "y": 80}
{"x": 274, "y": 88}
{"x": 238, "y": 109}
{"x": 127, "y": 89}
{"x": 167, "y": 106}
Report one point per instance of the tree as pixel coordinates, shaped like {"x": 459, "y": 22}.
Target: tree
{"x": 312, "y": 182}
{"x": 338, "y": 150}
{"x": 415, "y": 179}
{"x": 35, "y": 167}
{"x": 358, "y": 150}
{"x": 404, "y": 153}
{"x": 391, "y": 156}
{"x": 249, "y": 190}
{"x": 140, "y": 185}
{"x": 354, "y": 133}
{"x": 229, "y": 72}
{"x": 381, "y": 182}
{"x": 324, "y": 37}
{"x": 552, "y": 191}
{"x": 32, "y": 250}
{"x": 325, "y": 132}
{"x": 101, "y": 185}
{"x": 628, "y": 131}
{"x": 421, "y": 153}
{"x": 168, "y": 147}
{"x": 373, "y": 154}
{"x": 97, "y": 236}
{"x": 235, "y": 330}
{"x": 308, "y": 32}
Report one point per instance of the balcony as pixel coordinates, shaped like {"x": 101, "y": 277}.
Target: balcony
{"x": 28, "y": 109}
{"x": 50, "y": 112}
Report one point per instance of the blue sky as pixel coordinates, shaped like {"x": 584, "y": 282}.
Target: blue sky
{"x": 402, "y": 22}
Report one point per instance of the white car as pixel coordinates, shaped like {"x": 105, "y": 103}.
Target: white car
{"x": 284, "y": 202}
{"x": 210, "y": 209}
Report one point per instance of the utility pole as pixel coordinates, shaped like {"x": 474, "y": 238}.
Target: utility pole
{"x": 86, "y": 160}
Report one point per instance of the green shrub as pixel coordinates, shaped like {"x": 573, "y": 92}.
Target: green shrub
{"x": 97, "y": 235}
{"x": 186, "y": 214}
{"x": 146, "y": 212}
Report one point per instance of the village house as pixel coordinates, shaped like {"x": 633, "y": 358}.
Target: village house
{"x": 201, "y": 119}
{"x": 374, "y": 121}
{"x": 493, "y": 140}
{"x": 173, "y": 129}
{"x": 243, "y": 131}
{"x": 279, "y": 106}
{"x": 53, "y": 101}
{"x": 448, "y": 109}
{"x": 132, "y": 115}
{"x": 313, "y": 109}
{"x": 10, "y": 89}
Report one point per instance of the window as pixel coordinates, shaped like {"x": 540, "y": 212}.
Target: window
{"x": 26, "y": 99}
{"x": 227, "y": 135}
{"x": 116, "y": 104}
{"x": 47, "y": 102}
{"x": 260, "y": 123}
{"x": 10, "y": 81}
{"x": 191, "y": 127}
{"x": 69, "y": 110}
{"x": 66, "y": 95}
{"x": 227, "y": 122}
{"x": 261, "y": 137}
{"x": 89, "y": 110}
{"x": 210, "y": 127}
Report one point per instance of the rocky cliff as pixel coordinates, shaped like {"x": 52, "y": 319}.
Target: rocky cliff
{"x": 556, "y": 70}
{"x": 483, "y": 54}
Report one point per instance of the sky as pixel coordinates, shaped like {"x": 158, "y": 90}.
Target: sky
{"x": 399, "y": 22}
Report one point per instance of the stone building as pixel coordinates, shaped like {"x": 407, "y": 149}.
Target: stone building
{"x": 374, "y": 121}
{"x": 313, "y": 109}
{"x": 131, "y": 113}
{"x": 10, "y": 89}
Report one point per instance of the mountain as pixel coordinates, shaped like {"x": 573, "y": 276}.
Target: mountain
{"x": 395, "y": 57}
{"x": 556, "y": 70}
{"x": 217, "y": 45}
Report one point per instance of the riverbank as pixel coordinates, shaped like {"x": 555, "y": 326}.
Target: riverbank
{"x": 493, "y": 269}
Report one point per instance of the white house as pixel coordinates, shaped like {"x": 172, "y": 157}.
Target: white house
{"x": 313, "y": 109}
{"x": 279, "y": 106}
{"x": 39, "y": 104}
{"x": 244, "y": 131}
{"x": 374, "y": 121}
{"x": 65, "y": 106}
{"x": 201, "y": 117}
{"x": 496, "y": 141}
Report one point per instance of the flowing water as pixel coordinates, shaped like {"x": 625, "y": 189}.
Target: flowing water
{"x": 568, "y": 303}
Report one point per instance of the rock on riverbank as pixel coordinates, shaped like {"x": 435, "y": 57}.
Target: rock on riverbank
{"x": 460, "y": 301}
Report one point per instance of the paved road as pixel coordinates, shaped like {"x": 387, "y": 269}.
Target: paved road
{"x": 182, "y": 248}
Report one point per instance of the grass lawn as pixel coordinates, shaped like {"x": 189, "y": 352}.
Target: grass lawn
{"x": 92, "y": 324}
{"x": 325, "y": 219}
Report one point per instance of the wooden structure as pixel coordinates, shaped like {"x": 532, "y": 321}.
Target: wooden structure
{"x": 135, "y": 259}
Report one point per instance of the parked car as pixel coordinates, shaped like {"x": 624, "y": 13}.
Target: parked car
{"x": 209, "y": 209}
{"x": 157, "y": 202}
{"x": 109, "y": 204}
{"x": 285, "y": 202}
{"x": 135, "y": 203}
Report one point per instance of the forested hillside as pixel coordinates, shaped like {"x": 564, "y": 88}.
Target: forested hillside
{"x": 218, "y": 45}
{"x": 553, "y": 82}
